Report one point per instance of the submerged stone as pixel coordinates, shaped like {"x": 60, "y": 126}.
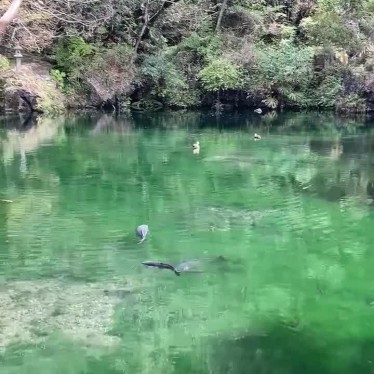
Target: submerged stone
{"x": 31, "y": 310}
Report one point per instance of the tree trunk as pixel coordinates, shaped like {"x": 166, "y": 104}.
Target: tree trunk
{"x": 145, "y": 17}
{"x": 9, "y": 16}
{"x": 218, "y": 102}
{"x": 149, "y": 20}
{"x": 220, "y": 16}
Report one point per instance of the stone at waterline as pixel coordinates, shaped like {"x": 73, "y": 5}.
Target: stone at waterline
{"x": 19, "y": 100}
{"x": 32, "y": 89}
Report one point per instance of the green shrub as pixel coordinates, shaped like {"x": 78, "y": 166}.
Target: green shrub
{"x": 167, "y": 82}
{"x": 329, "y": 29}
{"x": 71, "y": 51}
{"x": 341, "y": 6}
{"x": 369, "y": 6}
{"x": 94, "y": 69}
{"x": 352, "y": 103}
{"x": 220, "y": 74}
{"x": 326, "y": 93}
{"x": 109, "y": 71}
{"x": 282, "y": 73}
{"x": 59, "y": 77}
{"x": 4, "y": 63}
{"x": 288, "y": 32}
{"x": 205, "y": 47}
{"x": 285, "y": 64}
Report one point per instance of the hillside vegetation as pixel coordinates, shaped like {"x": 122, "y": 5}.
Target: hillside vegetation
{"x": 189, "y": 53}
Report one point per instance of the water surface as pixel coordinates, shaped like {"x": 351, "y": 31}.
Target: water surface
{"x": 292, "y": 213}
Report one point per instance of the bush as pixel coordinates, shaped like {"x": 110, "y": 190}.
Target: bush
{"x": 326, "y": 93}
{"x": 328, "y": 29}
{"x": 205, "y": 47}
{"x": 4, "y": 63}
{"x": 220, "y": 74}
{"x": 352, "y": 103}
{"x": 283, "y": 72}
{"x": 59, "y": 77}
{"x": 341, "y": 6}
{"x": 102, "y": 71}
{"x": 70, "y": 52}
{"x": 109, "y": 71}
{"x": 167, "y": 82}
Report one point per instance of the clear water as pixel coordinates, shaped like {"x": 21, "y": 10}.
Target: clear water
{"x": 292, "y": 214}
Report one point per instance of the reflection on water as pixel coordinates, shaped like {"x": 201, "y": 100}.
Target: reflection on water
{"x": 292, "y": 214}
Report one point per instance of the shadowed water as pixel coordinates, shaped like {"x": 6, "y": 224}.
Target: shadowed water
{"x": 292, "y": 215}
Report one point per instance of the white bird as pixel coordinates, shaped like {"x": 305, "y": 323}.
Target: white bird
{"x": 196, "y": 148}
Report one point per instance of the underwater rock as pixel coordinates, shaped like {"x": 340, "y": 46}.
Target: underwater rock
{"x": 80, "y": 311}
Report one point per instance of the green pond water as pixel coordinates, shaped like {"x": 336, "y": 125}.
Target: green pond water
{"x": 292, "y": 214}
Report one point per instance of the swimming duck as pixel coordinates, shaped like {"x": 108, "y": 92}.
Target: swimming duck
{"x": 256, "y": 136}
{"x": 196, "y": 148}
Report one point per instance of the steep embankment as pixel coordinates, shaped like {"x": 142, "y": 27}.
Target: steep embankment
{"x": 31, "y": 89}
{"x": 273, "y": 54}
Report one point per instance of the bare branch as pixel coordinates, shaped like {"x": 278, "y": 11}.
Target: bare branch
{"x": 149, "y": 20}
{"x": 9, "y": 16}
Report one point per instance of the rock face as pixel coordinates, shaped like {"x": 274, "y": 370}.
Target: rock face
{"x": 19, "y": 100}
{"x": 31, "y": 90}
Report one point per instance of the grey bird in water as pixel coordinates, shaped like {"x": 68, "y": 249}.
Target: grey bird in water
{"x": 192, "y": 266}
{"x": 142, "y": 231}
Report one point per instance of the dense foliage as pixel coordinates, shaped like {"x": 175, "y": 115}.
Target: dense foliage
{"x": 183, "y": 53}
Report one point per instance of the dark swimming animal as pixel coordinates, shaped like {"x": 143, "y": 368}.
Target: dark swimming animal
{"x": 192, "y": 266}
{"x": 161, "y": 265}
{"x": 142, "y": 231}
